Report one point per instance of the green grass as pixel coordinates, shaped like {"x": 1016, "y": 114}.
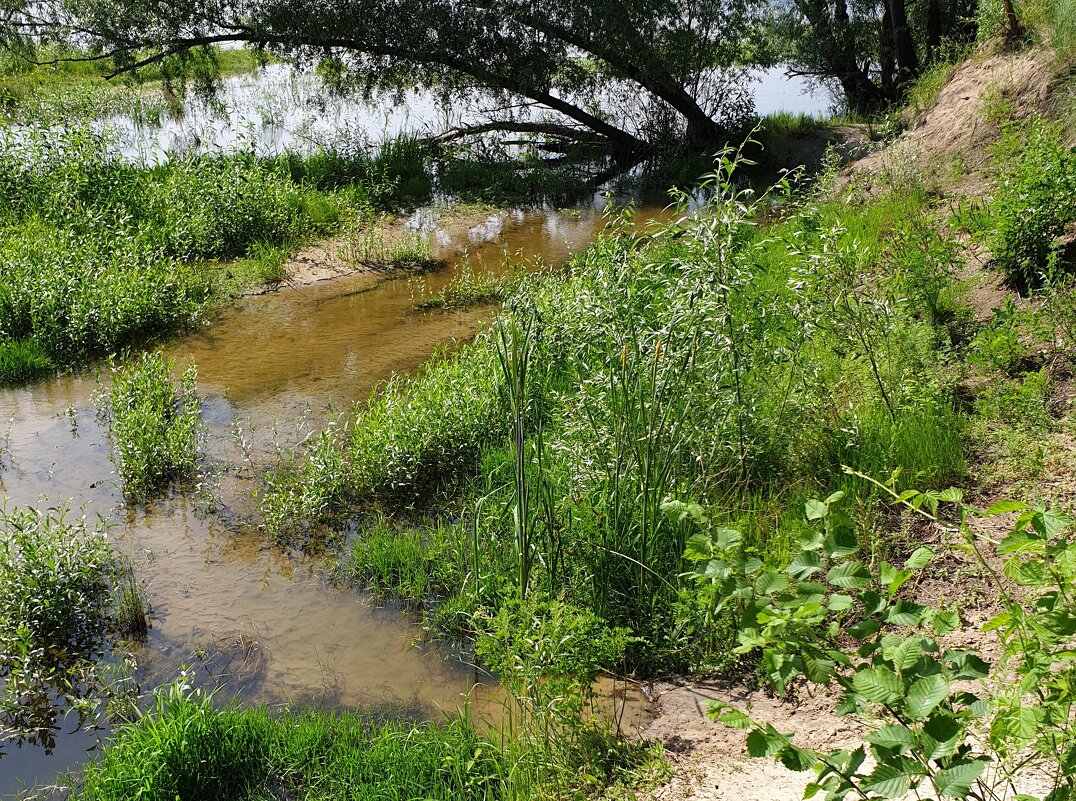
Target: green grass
{"x": 22, "y": 361}
{"x": 186, "y": 748}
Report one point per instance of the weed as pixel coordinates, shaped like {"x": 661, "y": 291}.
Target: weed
{"x": 154, "y": 425}
{"x": 54, "y": 603}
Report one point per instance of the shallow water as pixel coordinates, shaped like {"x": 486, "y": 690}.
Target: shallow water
{"x": 269, "y": 368}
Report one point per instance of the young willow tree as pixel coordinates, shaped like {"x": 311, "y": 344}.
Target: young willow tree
{"x": 572, "y": 59}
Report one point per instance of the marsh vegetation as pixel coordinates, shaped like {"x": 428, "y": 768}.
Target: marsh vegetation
{"x": 733, "y": 441}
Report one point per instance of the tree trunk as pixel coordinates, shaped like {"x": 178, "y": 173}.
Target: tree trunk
{"x": 934, "y": 28}
{"x": 886, "y": 59}
{"x": 904, "y": 48}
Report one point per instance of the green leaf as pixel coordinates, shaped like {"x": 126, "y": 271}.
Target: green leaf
{"x": 849, "y": 576}
{"x": 840, "y": 603}
{"x": 919, "y": 559}
{"x": 797, "y": 759}
{"x": 955, "y": 782}
{"x": 888, "y": 781}
{"x": 841, "y": 542}
{"x": 804, "y": 566}
{"x": 766, "y": 742}
{"x": 878, "y": 684}
{"x": 906, "y": 654}
{"x": 816, "y": 510}
{"x": 1051, "y": 522}
{"x": 950, "y": 495}
{"x": 771, "y": 582}
{"x": 727, "y": 715}
{"x": 892, "y": 736}
{"x": 698, "y": 548}
{"x": 924, "y": 695}
{"x": 864, "y": 628}
{"x": 941, "y": 736}
{"x": 944, "y": 621}
{"x": 906, "y": 613}
{"x": 835, "y": 497}
{"x": 967, "y": 665}
{"x": 1003, "y": 507}
{"x": 727, "y": 539}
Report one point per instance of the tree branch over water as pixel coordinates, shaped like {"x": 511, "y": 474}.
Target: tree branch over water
{"x": 567, "y": 57}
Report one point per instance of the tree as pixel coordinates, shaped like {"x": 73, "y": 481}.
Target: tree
{"x": 560, "y": 55}
{"x": 873, "y": 49}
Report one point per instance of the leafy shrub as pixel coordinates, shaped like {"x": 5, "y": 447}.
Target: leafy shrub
{"x": 54, "y": 602}
{"x": 832, "y": 620}
{"x": 154, "y": 424}
{"x": 1035, "y": 199}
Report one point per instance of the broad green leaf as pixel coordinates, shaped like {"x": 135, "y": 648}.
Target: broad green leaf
{"x": 955, "y": 782}
{"x": 729, "y": 716}
{"x": 950, "y": 495}
{"x": 679, "y": 511}
{"x": 864, "y": 628}
{"x": 943, "y": 621}
{"x": 892, "y": 736}
{"x": 839, "y": 602}
{"x": 841, "y": 542}
{"x": 849, "y": 576}
{"x": 698, "y": 548}
{"x": 1003, "y": 507}
{"x": 878, "y": 684}
{"x": 906, "y": 613}
{"x": 967, "y": 665}
{"x": 771, "y": 582}
{"x": 941, "y": 736}
{"x": 919, "y": 559}
{"x": 818, "y": 669}
{"x": 816, "y": 510}
{"x": 906, "y": 654}
{"x": 727, "y": 539}
{"x": 766, "y": 742}
{"x": 924, "y": 695}
{"x": 797, "y": 759}
{"x": 804, "y": 566}
{"x": 835, "y": 497}
{"x": 1051, "y": 522}
{"x": 888, "y": 781}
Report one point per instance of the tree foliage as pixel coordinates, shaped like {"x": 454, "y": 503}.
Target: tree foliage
{"x": 572, "y": 59}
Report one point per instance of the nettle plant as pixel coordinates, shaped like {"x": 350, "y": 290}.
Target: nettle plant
{"x": 945, "y": 721}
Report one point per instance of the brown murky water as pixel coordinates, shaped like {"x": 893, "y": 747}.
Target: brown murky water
{"x": 269, "y": 367}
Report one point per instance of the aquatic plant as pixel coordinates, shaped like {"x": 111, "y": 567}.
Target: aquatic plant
{"x": 55, "y": 573}
{"x": 154, "y": 424}
{"x": 186, "y": 746}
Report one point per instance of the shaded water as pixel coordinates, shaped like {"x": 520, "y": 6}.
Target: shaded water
{"x": 224, "y": 598}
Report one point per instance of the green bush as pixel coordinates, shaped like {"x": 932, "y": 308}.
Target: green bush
{"x": 1034, "y": 200}
{"x": 154, "y": 424}
{"x": 55, "y": 572}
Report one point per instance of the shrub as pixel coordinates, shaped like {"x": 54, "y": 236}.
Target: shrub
{"x": 1034, "y": 200}
{"x": 154, "y": 424}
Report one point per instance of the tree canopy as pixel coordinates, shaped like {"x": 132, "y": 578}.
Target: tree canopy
{"x": 569, "y": 58}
